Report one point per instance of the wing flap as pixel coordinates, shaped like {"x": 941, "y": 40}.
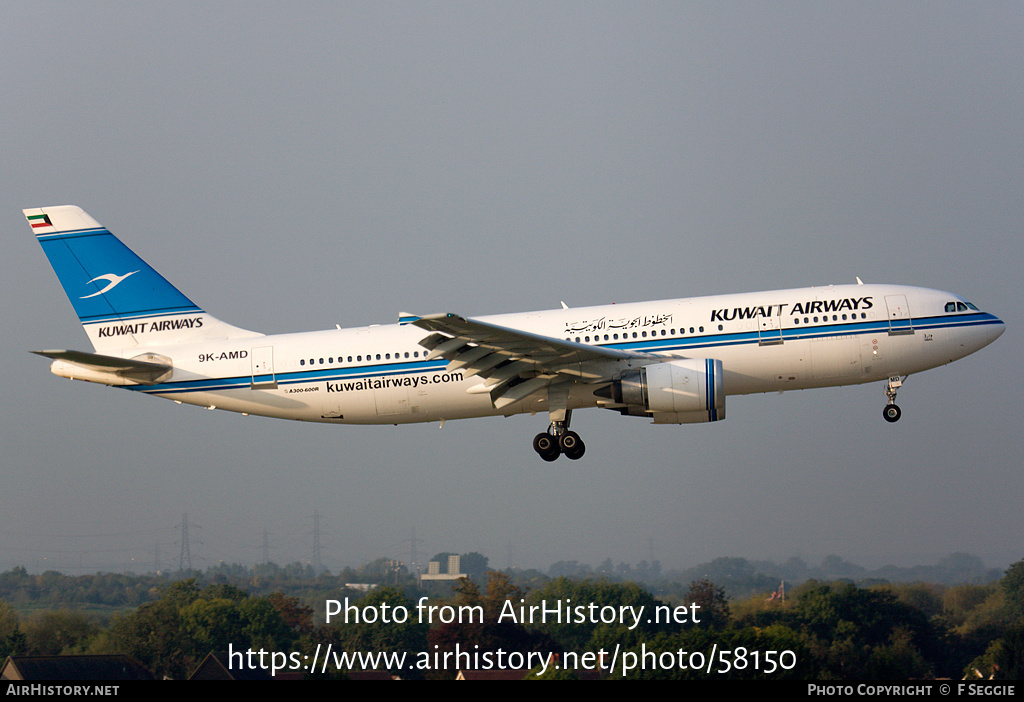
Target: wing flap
{"x": 513, "y": 364}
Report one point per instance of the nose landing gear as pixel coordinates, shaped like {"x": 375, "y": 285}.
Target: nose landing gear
{"x": 892, "y": 412}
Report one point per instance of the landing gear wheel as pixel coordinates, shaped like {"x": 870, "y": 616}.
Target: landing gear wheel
{"x": 572, "y": 445}
{"x": 547, "y": 446}
{"x": 892, "y": 412}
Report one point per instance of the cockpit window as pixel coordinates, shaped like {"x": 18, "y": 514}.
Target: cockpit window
{"x": 951, "y": 307}
{"x": 973, "y": 307}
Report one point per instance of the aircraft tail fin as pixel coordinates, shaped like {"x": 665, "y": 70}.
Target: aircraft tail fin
{"x": 122, "y": 302}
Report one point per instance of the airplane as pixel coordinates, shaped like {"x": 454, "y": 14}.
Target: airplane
{"x": 671, "y": 361}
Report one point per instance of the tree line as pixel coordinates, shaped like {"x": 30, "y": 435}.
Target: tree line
{"x": 832, "y": 629}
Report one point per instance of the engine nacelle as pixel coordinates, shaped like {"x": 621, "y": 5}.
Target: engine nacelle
{"x": 675, "y": 392}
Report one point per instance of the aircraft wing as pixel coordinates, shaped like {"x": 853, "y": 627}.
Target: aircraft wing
{"x": 511, "y": 363}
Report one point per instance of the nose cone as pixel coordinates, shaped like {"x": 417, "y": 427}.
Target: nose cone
{"x": 988, "y": 330}
{"x": 996, "y": 330}
{"x": 973, "y": 332}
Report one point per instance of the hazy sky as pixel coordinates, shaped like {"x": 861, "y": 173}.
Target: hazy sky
{"x": 296, "y": 165}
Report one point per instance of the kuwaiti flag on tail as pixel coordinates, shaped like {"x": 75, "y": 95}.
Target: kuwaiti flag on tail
{"x": 39, "y": 221}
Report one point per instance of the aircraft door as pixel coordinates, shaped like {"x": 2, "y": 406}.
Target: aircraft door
{"x": 263, "y": 377}
{"x": 769, "y": 330}
{"x": 900, "y": 321}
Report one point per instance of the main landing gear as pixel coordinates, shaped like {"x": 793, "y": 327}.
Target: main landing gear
{"x": 558, "y": 440}
{"x": 892, "y": 412}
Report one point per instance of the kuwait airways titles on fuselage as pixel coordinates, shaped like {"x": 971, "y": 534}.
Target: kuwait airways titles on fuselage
{"x": 810, "y": 307}
{"x": 636, "y": 322}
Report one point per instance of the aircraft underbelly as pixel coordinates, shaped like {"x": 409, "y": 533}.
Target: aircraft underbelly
{"x": 770, "y": 368}
{"x": 404, "y": 405}
{"x": 836, "y": 357}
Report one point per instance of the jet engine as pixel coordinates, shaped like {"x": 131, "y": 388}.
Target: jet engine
{"x": 684, "y": 391}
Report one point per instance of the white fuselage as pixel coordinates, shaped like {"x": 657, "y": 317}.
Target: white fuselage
{"x": 766, "y": 341}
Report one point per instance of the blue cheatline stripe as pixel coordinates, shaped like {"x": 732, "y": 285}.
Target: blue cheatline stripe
{"x": 878, "y": 326}
{"x": 351, "y": 373}
{"x": 687, "y": 344}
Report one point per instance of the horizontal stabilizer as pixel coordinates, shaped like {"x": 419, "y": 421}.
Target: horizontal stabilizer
{"x": 109, "y": 369}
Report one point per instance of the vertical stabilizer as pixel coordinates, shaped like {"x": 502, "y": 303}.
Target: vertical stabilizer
{"x": 122, "y": 302}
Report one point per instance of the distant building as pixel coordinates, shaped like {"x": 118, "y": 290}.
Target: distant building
{"x": 434, "y": 570}
{"x": 362, "y": 587}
